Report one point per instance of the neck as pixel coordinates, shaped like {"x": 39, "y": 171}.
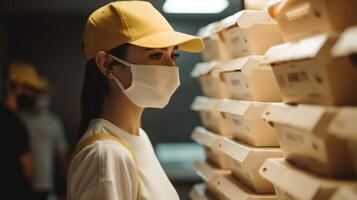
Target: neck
{"x": 119, "y": 110}
{"x": 10, "y": 102}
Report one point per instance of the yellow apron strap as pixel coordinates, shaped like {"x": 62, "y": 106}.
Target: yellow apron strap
{"x": 99, "y": 136}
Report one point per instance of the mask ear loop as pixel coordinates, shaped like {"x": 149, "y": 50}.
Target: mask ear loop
{"x": 120, "y": 60}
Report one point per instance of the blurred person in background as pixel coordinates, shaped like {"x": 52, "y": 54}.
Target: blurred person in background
{"x": 131, "y": 51}
{"x": 48, "y": 144}
{"x": 20, "y": 82}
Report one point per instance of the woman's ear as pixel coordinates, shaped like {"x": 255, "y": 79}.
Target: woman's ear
{"x": 103, "y": 61}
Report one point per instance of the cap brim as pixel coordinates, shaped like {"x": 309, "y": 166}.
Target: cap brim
{"x": 165, "y": 39}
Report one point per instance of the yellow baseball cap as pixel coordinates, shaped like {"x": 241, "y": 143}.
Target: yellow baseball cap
{"x": 26, "y": 73}
{"x": 133, "y": 22}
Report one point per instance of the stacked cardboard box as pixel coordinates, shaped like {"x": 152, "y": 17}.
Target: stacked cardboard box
{"x": 237, "y": 90}
{"x": 316, "y": 72}
{"x": 279, "y": 110}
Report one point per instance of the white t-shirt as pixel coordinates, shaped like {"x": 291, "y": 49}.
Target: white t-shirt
{"x": 47, "y": 137}
{"x": 105, "y": 169}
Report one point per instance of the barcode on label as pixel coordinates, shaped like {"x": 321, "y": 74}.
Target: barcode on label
{"x": 297, "y": 77}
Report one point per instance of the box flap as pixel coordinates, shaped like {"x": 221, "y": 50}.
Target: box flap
{"x": 303, "y": 49}
{"x": 234, "y": 190}
{"x": 234, "y": 150}
{"x": 234, "y": 106}
{"x": 297, "y": 182}
{"x": 239, "y": 63}
{"x": 275, "y": 112}
{"x": 201, "y": 103}
{"x": 345, "y": 193}
{"x": 198, "y": 192}
{"x": 208, "y": 30}
{"x": 203, "y": 68}
{"x": 205, "y": 137}
{"x": 247, "y": 18}
{"x": 344, "y": 123}
{"x": 208, "y": 173}
{"x": 305, "y": 116}
{"x": 346, "y": 44}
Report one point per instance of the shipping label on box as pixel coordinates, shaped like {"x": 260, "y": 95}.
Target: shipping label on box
{"x": 305, "y": 140}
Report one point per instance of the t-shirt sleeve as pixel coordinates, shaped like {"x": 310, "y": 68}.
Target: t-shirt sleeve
{"x": 118, "y": 178}
{"x": 105, "y": 172}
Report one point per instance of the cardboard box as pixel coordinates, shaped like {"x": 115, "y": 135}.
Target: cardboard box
{"x": 212, "y": 84}
{"x": 256, "y": 4}
{"x": 246, "y": 80}
{"x": 198, "y": 192}
{"x": 245, "y": 162}
{"x": 306, "y": 72}
{"x": 210, "y": 141}
{"x": 303, "y": 18}
{"x": 305, "y": 140}
{"x": 244, "y": 122}
{"x": 344, "y": 126}
{"x": 210, "y": 174}
{"x": 231, "y": 189}
{"x": 215, "y": 49}
{"x": 250, "y": 32}
{"x": 293, "y": 183}
{"x": 211, "y": 118}
{"x": 345, "y": 193}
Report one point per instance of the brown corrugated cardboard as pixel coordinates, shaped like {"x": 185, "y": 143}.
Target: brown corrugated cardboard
{"x": 212, "y": 84}
{"x": 210, "y": 141}
{"x": 250, "y": 32}
{"x": 246, "y": 80}
{"x": 198, "y": 192}
{"x": 345, "y": 193}
{"x": 305, "y": 140}
{"x": 245, "y": 123}
{"x": 303, "y": 18}
{"x": 344, "y": 125}
{"x": 231, "y": 189}
{"x": 246, "y": 161}
{"x": 210, "y": 174}
{"x": 306, "y": 72}
{"x": 293, "y": 183}
{"x": 215, "y": 49}
{"x": 211, "y": 118}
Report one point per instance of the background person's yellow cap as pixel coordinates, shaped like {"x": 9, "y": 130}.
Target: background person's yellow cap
{"x": 25, "y": 73}
{"x": 133, "y": 22}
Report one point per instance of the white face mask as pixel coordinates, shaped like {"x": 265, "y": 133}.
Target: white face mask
{"x": 152, "y": 85}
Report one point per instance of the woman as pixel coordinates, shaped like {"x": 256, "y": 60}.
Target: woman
{"x": 131, "y": 51}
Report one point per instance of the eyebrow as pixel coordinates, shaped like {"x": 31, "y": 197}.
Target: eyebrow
{"x": 164, "y": 49}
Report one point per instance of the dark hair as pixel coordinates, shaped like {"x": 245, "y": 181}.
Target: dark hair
{"x": 95, "y": 87}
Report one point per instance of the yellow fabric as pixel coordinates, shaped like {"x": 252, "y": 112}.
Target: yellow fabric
{"x": 100, "y": 136}
{"x": 133, "y": 22}
{"x": 25, "y": 73}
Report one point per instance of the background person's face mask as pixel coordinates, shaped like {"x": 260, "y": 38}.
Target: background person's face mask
{"x": 152, "y": 85}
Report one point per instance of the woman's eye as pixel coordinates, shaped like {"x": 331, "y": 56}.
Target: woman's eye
{"x": 157, "y": 56}
{"x": 175, "y": 55}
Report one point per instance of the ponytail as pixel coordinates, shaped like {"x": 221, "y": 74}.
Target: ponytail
{"x": 95, "y": 88}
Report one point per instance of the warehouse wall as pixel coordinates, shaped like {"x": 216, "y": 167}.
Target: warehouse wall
{"x": 52, "y": 43}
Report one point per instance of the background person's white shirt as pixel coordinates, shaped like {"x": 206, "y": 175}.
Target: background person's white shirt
{"x": 106, "y": 170}
{"x": 46, "y": 138}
